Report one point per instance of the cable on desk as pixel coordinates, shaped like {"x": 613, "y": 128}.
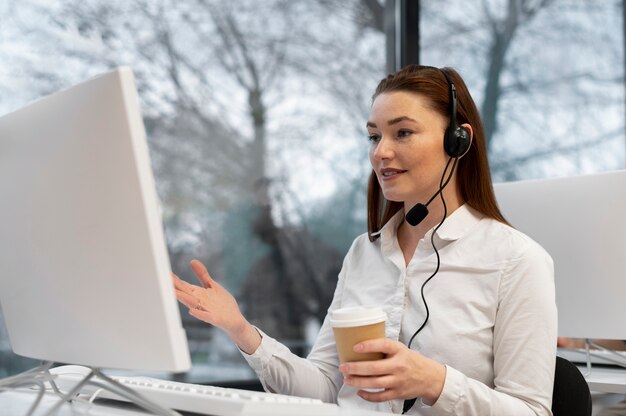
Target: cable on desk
{"x": 31, "y": 377}
{"x": 95, "y": 395}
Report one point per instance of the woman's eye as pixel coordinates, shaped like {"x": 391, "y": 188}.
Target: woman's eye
{"x": 404, "y": 133}
{"x": 374, "y": 138}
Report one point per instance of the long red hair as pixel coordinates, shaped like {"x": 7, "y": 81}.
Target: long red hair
{"x": 473, "y": 175}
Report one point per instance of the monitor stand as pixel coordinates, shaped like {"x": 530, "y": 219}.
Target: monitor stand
{"x": 41, "y": 374}
{"x": 618, "y": 358}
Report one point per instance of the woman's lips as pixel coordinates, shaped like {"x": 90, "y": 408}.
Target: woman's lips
{"x": 388, "y": 174}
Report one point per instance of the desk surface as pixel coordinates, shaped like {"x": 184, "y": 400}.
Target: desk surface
{"x": 601, "y": 379}
{"x": 604, "y": 379}
{"x": 18, "y": 403}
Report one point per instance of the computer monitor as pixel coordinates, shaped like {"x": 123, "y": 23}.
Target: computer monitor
{"x": 581, "y": 222}
{"x": 84, "y": 269}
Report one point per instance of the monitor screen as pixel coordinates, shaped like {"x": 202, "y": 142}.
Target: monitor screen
{"x": 85, "y": 274}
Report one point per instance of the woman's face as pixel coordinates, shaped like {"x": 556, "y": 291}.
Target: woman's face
{"x": 406, "y": 146}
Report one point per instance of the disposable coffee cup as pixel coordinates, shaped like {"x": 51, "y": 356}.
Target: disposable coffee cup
{"x": 354, "y": 325}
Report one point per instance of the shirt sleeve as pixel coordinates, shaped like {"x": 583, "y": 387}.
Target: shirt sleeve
{"x": 316, "y": 376}
{"x": 524, "y": 347}
{"x": 281, "y": 371}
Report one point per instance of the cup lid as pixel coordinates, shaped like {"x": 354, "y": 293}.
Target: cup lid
{"x": 357, "y": 316}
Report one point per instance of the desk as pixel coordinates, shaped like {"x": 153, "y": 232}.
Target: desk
{"x": 17, "y": 403}
{"x": 605, "y": 379}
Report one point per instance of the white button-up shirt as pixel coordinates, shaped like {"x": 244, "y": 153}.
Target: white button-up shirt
{"x": 493, "y": 320}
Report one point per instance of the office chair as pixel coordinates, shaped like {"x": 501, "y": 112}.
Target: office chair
{"x": 571, "y": 395}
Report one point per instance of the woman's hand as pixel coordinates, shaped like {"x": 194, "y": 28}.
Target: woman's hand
{"x": 403, "y": 374}
{"x": 213, "y": 304}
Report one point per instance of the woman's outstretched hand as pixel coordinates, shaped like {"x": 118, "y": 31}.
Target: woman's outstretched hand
{"x": 213, "y": 304}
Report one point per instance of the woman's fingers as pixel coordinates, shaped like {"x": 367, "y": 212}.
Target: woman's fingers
{"x": 382, "y": 396}
{"x": 201, "y": 314}
{"x": 378, "y": 367}
{"x": 192, "y": 296}
{"x": 382, "y": 382}
{"x": 366, "y": 368}
{"x": 212, "y": 303}
{"x": 384, "y": 345}
{"x": 202, "y": 273}
{"x": 189, "y": 301}
{"x": 183, "y": 286}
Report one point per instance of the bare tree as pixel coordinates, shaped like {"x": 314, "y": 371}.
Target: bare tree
{"x": 502, "y": 30}
{"x": 540, "y": 71}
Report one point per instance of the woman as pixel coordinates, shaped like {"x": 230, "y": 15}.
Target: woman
{"x": 472, "y": 297}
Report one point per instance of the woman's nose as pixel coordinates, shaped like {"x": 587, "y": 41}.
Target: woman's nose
{"x": 383, "y": 149}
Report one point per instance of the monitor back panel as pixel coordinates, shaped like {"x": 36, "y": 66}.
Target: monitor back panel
{"x": 84, "y": 271}
{"x": 581, "y": 222}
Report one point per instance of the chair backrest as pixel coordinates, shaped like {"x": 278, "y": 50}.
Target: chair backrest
{"x": 571, "y": 395}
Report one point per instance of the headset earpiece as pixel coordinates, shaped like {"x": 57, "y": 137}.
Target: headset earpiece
{"x": 457, "y": 139}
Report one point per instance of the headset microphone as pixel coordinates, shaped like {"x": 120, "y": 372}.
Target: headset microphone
{"x": 416, "y": 214}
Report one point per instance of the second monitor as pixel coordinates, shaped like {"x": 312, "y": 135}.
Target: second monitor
{"x": 580, "y": 221}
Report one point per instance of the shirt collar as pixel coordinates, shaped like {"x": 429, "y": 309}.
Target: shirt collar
{"x": 459, "y": 223}
{"x": 389, "y": 230}
{"x": 454, "y": 227}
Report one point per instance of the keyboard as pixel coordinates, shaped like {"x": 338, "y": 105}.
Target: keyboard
{"x": 207, "y": 400}
{"x": 579, "y": 356}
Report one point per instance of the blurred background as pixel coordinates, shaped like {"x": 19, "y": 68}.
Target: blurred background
{"x": 255, "y": 113}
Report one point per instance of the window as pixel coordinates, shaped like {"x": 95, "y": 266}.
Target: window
{"x": 547, "y": 77}
{"x": 255, "y": 115}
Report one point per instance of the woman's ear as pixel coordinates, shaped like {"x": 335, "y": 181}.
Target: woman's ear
{"x": 471, "y": 131}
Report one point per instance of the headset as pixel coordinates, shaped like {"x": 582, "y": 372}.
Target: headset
{"x": 457, "y": 139}
{"x": 456, "y": 142}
